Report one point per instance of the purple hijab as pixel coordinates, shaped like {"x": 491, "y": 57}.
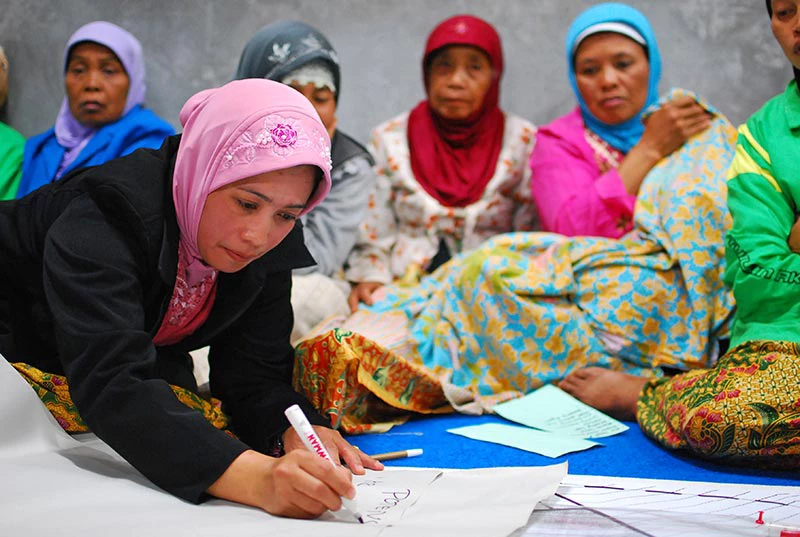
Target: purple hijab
{"x": 70, "y": 133}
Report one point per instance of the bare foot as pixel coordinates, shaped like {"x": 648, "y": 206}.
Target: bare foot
{"x": 612, "y": 392}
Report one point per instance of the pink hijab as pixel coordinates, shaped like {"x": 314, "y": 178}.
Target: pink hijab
{"x": 244, "y": 128}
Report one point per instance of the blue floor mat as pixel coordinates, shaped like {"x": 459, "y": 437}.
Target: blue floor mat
{"x": 629, "y": 454}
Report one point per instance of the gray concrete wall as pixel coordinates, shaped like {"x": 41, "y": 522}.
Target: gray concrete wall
{"x": 722, "y": 49}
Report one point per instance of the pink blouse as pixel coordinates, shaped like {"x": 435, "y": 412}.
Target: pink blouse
{"x": 574, "y": 181}
{"x": 189, "y": 306}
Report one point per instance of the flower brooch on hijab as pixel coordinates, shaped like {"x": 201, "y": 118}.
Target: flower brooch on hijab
{"x": 282, "y": 136}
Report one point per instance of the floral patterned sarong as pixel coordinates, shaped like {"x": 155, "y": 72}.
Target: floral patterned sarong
{"x": 525, "y": 309}
{"x": 54, "y": 393}
{"x": 361, "y": 386}
{"x": 746, "y": 409}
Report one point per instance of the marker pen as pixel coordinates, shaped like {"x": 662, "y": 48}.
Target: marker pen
{"x": 309, "y": 437}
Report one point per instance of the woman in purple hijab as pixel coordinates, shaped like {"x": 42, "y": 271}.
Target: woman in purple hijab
{"x": 102, "y": 116}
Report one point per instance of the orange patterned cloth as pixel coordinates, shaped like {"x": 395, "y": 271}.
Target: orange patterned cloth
{"x": 54, "y": 393}
{"x": 361, "y": 386}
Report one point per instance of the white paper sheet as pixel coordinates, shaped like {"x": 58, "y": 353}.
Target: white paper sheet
{"x": 779, "y": 503}
{"x": 480, "y": 503}
{"x": 53, "y": 483}
{"x": 383, "y": 497}
{"x": 25, "y": 424}
{"x": 611, "y": 506}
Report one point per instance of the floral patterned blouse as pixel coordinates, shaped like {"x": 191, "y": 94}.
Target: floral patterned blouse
{"x": 404, "y": 224}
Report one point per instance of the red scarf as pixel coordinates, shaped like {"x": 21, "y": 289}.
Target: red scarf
{"x": 455, "y": 160}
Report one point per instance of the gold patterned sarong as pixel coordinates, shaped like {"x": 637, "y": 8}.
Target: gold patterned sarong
{"x": 54, "y": 393}
{"x": 746, "y": 409}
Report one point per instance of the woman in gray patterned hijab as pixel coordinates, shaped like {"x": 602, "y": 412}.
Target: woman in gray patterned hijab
{"x": 298, "y": 55}
{"x": 280, "y": 48}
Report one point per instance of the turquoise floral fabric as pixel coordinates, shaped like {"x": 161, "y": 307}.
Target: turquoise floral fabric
{"x": 525, "y": 309}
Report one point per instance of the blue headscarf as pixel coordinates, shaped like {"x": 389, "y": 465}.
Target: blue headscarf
{"x": 624, "y": 135}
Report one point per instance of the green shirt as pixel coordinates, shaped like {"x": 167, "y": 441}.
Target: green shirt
{"x": 11, "y": 146}
{"x": 763, "y": 189}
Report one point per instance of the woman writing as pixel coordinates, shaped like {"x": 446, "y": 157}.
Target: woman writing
{"x": 112, "y": 275}
{"x": 102, "y": 116}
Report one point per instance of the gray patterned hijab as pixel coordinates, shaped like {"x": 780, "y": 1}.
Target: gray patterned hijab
{"x": 280, "y": 48}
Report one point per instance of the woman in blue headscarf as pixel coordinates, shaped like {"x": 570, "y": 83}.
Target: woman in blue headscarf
{"x": 588, "y": 165}
{"x": 102, "y": 115}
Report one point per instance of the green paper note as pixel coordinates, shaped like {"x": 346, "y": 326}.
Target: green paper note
{"x": 541, "y": 442}
{"x": 551, "y": 409}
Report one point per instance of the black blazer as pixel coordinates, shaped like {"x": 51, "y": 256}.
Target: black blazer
{"x": 87, "y": 269}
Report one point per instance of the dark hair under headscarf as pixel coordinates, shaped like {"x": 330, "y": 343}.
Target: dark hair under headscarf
{"x": 281, "y": 47}
{"x": 796, "y": 71}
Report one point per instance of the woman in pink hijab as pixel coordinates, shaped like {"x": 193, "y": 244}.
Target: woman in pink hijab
{"x": 112, "y": 275}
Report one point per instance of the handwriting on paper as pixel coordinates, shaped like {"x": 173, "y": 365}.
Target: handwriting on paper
{"x": 579, "y": 422}
{"x": 391, "y": 499}
{"x": 384, "y": 496}
{"x": 552, "y": 409}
